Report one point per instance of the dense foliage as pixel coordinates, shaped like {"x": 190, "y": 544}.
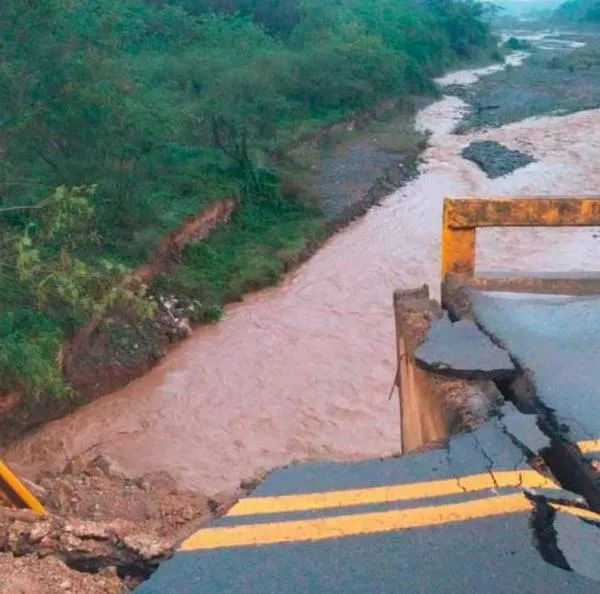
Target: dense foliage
{"x": 164, "y": 106}
{"x": 515, "y": 44}
{"x": 580, "y": 10}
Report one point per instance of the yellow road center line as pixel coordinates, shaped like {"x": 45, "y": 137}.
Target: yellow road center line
{"x": 352, "y": 525}
{"x": 588, "y": 514}
{"x": 589, "y": 446}
{"x": 390, "y": 493}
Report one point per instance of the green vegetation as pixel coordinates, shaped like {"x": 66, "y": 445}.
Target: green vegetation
{"x": 582, "y": 58}
{"x": 579, "y": 10}
{"x": 48, "y": 292}
{"x": 515, "y": 44}
{"x": 163, "y": 107}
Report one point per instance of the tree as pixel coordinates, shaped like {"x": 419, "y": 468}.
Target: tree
{"x": 49, "y": 292}
{"x": 240, "y": 100}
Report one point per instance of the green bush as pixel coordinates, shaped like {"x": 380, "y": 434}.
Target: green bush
{"x": 515, "y": 44}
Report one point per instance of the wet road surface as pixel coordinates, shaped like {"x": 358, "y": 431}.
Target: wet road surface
{"x": 454, "y": 520}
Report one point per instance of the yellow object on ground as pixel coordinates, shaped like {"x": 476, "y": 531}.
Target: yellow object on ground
{"x": 16, "y": 493}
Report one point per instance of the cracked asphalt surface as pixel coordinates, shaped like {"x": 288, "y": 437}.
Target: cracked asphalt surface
{"x": 556, "y": 338}
{"x": 452, "y": 519}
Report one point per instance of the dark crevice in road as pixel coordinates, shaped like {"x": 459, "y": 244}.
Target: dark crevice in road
{"x": 545, "y": 537}
{"x": 562, "y": 456}
{"x": 560, "y": 536}
{"x": 532, "y": 458}
{"x": 558, "y": 458}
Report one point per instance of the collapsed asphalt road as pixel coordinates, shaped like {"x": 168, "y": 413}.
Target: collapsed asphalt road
{"x": 503, "y": 503}
{"x": 555, "y": 340}
{"x": 447, "y": 520}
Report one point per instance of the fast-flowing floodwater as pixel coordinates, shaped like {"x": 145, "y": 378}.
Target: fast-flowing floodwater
{"x": 304, "y": 370}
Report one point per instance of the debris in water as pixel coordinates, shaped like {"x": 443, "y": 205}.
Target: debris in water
{"x": 495, "y": 159}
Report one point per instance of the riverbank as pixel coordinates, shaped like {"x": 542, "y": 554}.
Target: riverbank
{"x": 253, "y": 391}
{"x": 181, "y": 120}
{"x": 346, "y": 167}
{"x": 303, "y": 370}
{"x": 559, "y": 78}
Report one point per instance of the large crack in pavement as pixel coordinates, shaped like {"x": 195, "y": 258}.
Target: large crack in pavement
{"x": 561, "y": 454}
{"x": 562, "y": 537}
{"x": 489, "y": 459}
{"x": 545, "y": 537}
{"x": 448, "y": 448}
{"x": 465, "y": 348}
{"x": 559, "y": 533}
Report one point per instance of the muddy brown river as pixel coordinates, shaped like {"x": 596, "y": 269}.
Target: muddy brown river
{"x": 303, "y": 370}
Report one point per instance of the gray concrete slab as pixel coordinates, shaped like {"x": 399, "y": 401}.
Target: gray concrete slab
{"x": 556, "y": 338}
{"x": 461, "y": 349}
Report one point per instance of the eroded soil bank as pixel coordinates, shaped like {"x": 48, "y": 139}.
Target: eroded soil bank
{"x": 105, "y": 532}
{"x": 304, "y": 370}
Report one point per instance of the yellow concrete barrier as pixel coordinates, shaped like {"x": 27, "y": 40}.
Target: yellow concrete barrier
{"x": 462, "y": 216}
{"x": 16, "y": 493}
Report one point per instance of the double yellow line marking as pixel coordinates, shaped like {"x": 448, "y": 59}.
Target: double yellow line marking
{"x": 391, "y": 493}
{"x": 351, "y": 525}
{"x": 315, "y": 529}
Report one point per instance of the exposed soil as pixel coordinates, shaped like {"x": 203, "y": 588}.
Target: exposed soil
{"x": 434, "y": 406}
{"x": 31, "y": 575}
{"x": 105, "y": 532}
{"x": 105, "y": 356}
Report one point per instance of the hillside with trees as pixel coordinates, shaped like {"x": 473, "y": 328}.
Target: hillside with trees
{"x": 120, "y": 118}
{"x": 579, "y": 11}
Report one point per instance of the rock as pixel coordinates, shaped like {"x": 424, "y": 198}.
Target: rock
{"x": 71, "y": 543}
{"x": 39, "y": 531}
{"x": 158, "y": 481}
{"x": 148, "y": 547}
{"x": 494, "y": 159}
{"x": 462, "y": 350}
{"x": 83, "y": 529}
{"x": 23, "y": 515}
{"x": 144, "y": 485}
{"x": 39, "y": 491}
{"x": 76, "y": 465}
{"x": 109, "y": 466}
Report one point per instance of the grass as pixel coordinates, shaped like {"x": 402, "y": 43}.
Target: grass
{"x": 265, "y": 238}
{"x": 398, "y": 138}
{"x": 253, "y": 251}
